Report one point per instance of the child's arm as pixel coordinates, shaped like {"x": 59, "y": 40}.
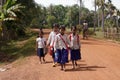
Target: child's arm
{"x": 55, "y": 44}
{"x": 45, "y": 42}
{"x": 68, "y": 42}
{"x": 49, "y": 40}
{"x": 36, "y": 45}
{"x": 79, "y": 42}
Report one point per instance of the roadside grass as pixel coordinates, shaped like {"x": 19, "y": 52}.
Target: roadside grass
{"x": 14, "y": 50}
{"x": 99, "y": 35}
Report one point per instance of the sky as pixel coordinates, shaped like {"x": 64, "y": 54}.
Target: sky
{"x": 88, "y": 3}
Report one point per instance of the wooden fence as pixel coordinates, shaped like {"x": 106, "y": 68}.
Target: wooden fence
{"x": 112, "y": 33}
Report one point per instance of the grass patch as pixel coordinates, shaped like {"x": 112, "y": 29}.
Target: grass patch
{"x": 17, "y": 49}
{"x": 99, "y": 35}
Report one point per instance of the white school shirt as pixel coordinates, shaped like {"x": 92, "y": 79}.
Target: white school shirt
{"x": 51, "y": 38}
{"x": 41, "y": 42}
{"x": 59, "y": 44}
{"x": 75, "y": 44}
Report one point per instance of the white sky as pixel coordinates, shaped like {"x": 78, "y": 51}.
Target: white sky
{"x": 88, "y": 3}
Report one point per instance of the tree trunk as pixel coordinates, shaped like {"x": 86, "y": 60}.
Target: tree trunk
{"x": 98, "y": 18}
{"x": 95, "y": 18}
{"x": 103, "y": 18}
{"x": 80, "y": 11}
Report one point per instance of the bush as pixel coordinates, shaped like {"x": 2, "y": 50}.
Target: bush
{"x": 79, "y": 28}
{"x": 91, "y": 31}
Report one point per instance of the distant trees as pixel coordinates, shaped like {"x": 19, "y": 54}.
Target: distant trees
{"x": 17, "y": 15}
{"x": 107, "y": 14}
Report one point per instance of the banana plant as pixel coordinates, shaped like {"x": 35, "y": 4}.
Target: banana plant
{"x": 8, "y": 13}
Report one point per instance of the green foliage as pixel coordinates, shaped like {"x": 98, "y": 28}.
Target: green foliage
{"x": 79, "y": 28}
{"x": 13, "y": 50}
{"x": 51, "y": 20}
{"x": 9, "y": 9}
{"x": 91, "y": 31}
{"x": 9, "y": 18}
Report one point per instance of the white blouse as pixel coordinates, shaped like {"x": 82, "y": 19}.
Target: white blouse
{"x": 59, "y": 43}
{"x": 41, "y": 42}
{"x": 74, "y": 41}
{"x": 51, "y": 38}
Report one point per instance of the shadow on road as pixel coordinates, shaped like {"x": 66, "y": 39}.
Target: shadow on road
{"x": 85, "y": 68}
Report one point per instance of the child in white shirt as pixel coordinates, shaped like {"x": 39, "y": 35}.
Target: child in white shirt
{"x": 51, "y": 41}
{"x": 61, "y": 47}
{"x": 40, "y": 45}
{"x": 75, "y": 46}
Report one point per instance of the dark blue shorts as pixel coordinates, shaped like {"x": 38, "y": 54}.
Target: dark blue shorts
{"x": 62, "y": 56}
{"x": 75, "y": 54}
{"x": 40, "y": 52}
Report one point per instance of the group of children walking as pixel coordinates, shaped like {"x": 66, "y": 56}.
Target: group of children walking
{"x": 60, "y": 46}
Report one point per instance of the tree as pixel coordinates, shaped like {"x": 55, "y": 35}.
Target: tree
{"x": 8, "y": 14}
{"x": 59, "y": 13}
{"x": 98, "y": 3}
{"x": 80, "y": 1}
{"x": 95, "y": 16}
{"x": 51, "y": 20}
{"x": 103, "y": 7}
{"x": 30, "y": 12}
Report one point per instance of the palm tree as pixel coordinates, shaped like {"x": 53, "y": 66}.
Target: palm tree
{"x": 95, "y": 18}
{"x": 103, "y": 7}
{"x": 8, "y": 13}
{"x": 98, "y": 5}
{"x": 101, "y": 4}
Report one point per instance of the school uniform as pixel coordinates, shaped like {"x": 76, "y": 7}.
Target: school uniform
{"x": 75, "y": 53}
{"x": 51, "y": 41}
{"x": 61, "y": 47}
{"x": 41, "y": 45}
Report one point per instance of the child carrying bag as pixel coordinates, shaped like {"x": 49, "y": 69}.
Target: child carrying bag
{"x": 51, "y": 51}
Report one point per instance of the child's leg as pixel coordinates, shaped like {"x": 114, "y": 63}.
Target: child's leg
{"x": 64, "y": 67}
{"x": 40, "y": 59}
{"x": 73, "y": 63}
{"x": 76, "y": 63}
{"x": 43, "y": 59}
{"x": 61, "y": 66}
{"x": 53, "y": 57}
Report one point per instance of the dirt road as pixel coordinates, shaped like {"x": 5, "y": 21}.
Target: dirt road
{"x": 100, "y": 61}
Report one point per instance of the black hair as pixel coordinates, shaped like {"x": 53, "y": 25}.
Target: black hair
{"x": 85, "y": 21}
{"x": 73, "y": 27}
{"x": 62, "y": 27}
{"x": 38, "y": 36}
{"x": 41, "y": 32}
{"x": 55, "y": 25}
{"x": 40, "y": 28}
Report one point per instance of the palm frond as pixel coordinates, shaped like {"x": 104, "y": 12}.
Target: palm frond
{"x": 16, "y": 7}
{"x": 9, "y": 19}
{"x": 11, "y": 13}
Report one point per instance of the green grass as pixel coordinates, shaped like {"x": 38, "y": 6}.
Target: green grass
{"x": 11, "y": 51}
{"x": 99, "y": 35}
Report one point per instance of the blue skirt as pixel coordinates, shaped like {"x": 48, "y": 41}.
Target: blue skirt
{"x": 62, "y": 55}
{"x": 75, "y": 54}
{"x": 40, "y": 52}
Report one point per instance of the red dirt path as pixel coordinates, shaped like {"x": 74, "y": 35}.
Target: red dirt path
{"x": 100, "y": 61}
